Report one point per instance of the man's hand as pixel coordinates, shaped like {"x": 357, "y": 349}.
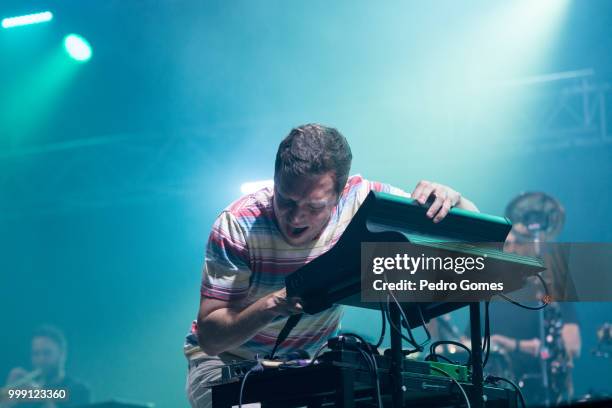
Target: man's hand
{"x": 16, "y": 374}
{"x": 444, "y": 198}
{"x": 279, "y": 303}
{"x": 19, "y": 374}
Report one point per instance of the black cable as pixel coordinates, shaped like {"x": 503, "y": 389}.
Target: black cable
{"x": 374, "y": 368}
{"x": 433, "y": 356}
{"x": 358, "y": 337}
{"x": 319, "y": 350}
{"x": 405, "y": 323}
{"x": 412, "y": 341}
{"x": 256, "y": 368}
{"x": 486, "y": 346}
{"x": 383, "y": 329}
{"x": 437, "y": 356}
{"x": 545, "y": 299}
{"x": 292, "y": 321}
{"x": 427, "y": 333}
{"x": 492, "y": 378}
{"x": 467, "y": 400}
{"x": 397, "y": 330}
{"x": 370, "y": 358}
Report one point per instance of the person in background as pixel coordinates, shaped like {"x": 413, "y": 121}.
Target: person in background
{"x": 517, "y": 349}
{"x": 48, "y": 371}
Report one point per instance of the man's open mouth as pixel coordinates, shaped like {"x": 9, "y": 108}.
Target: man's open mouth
{"x": 297, "y": 231}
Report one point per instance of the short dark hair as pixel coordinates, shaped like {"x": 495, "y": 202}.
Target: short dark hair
{"x": 53, "y": 333}
{"x": 314, "y": 149}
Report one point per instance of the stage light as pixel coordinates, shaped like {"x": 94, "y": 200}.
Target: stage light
{"x": 253, "y": 186}
{"x": 28, "y": 19}
{"x": 77, "y": 47}
{"x": 516, "y": 39}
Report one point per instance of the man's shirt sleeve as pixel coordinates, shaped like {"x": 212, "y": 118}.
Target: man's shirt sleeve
{"x": 226, "y": 272}
{"x": 387, "y": 188}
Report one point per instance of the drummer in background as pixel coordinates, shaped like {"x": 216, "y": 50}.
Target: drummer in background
{"x": 520, "y": 327}
{"x": 48, "y": 359}
{"x": 517, "y": 352}
{"x": 516, "y": 332}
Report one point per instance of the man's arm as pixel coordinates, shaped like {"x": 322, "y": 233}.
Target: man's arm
{"x": 224, "y": 325}
{"x": 570, "y": 333}
{"x": 527, "y": 346}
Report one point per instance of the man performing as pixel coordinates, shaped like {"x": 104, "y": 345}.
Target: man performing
{"x": 264, "y": 236}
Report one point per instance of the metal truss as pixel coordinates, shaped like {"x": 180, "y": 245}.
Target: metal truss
{"x": 562, "y": 111}
{"x": 578, "y": 116}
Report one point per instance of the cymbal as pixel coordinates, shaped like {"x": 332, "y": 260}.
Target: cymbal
{"x": 536, "y": 215}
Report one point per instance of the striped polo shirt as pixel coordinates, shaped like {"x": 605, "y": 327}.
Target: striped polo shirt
{"x": 247, "y": 258}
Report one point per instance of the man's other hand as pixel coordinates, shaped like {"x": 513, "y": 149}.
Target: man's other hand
{"x": 444, "y": 198}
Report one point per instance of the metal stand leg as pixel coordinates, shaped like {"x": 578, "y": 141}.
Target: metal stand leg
{"x": 477, "y": 400}
{"x": 345, "y": 389}
{"x": 397, "y": 393}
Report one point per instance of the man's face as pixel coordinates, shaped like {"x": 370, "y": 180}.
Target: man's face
{"x": 303, "y": 206}
{"x": 46, "y": 355}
